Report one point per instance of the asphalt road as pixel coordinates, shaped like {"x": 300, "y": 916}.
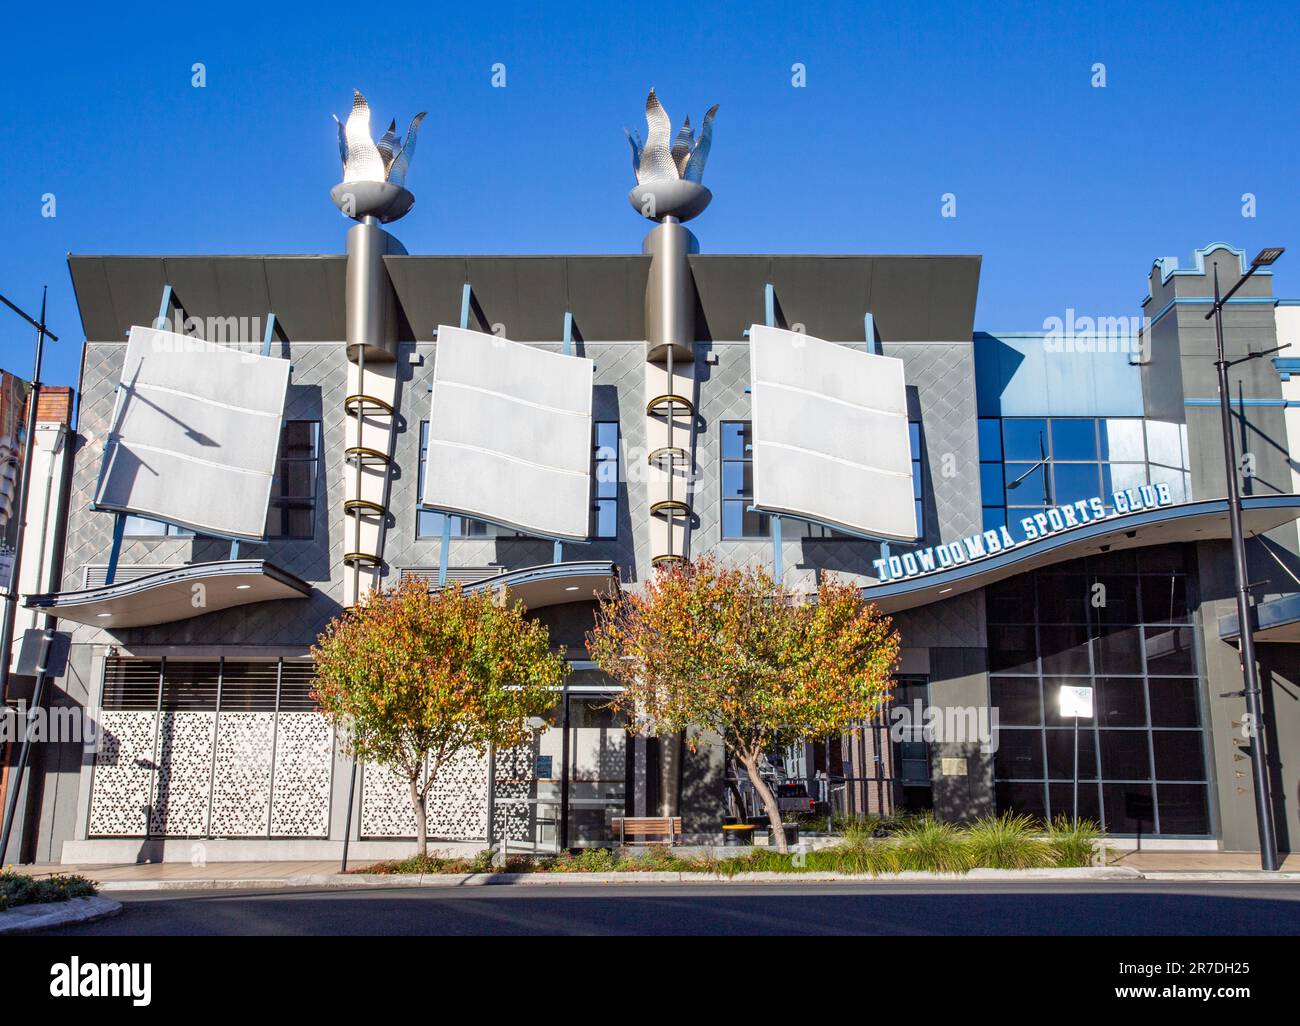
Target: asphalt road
{"x": 1128, "y": 908}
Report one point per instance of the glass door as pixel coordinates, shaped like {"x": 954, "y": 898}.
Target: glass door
{"x": 596, "y": 761}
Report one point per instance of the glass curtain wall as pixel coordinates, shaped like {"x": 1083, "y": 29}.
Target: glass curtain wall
{"x": 1120, "y": 624}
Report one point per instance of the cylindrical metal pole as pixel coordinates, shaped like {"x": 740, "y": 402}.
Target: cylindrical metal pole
{"x": 1250, "y": 673}
{"x": 490, "y": 834}
{"x": 361, "y": 421}
{"x": 347, "y": 824}
{"x": 16, "y": 777}
{"x": 1076, "y": 770}
{"x": 24, "y": 477}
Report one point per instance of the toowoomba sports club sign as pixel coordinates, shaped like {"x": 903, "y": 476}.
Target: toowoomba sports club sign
{"x": 1035, "y": 527}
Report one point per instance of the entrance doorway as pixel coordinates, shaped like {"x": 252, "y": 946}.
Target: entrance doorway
{"x": 579, "y": 778}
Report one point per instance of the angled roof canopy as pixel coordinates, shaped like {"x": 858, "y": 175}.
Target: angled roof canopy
{"x": 510, "y": 435}
{"x": 830, "y": 434}
{"x": 1187, "y": 522}
{"x": 195, "y": 434}
{"x": 553, "y": 584}
{"x": 170, "y": 595}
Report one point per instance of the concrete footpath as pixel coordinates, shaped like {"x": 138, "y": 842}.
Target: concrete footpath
{"x": 1196, "y": 866}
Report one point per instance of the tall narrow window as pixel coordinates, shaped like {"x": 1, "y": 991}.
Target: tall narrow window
{"x": 604, "y": 513}
{"x": 918, "y": 482}
{"x": 428, "y": 522}
{"x": 292, "y": 511}
{"x": 738, "y": 520}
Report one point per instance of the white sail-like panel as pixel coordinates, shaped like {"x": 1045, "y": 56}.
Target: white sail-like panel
{"x": 195, "y": 434}
{"x": 510, "y": 435}
{"x": 830, "y": 434}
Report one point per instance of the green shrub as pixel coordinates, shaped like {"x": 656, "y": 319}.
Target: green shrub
{"x": 1007, "y": 842}
{"x": 1073, "y": 842}
{"x": 432, "y": 863}
{"x": 928, "y": 846}
{"x": 588, "y": 860}
{"x": 858, "y": 855}
{"x": 19, "y": 889}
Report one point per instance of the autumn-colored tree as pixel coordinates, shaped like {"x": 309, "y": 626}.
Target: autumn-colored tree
{"x": 413, "y": 678}
{"x": 732, "y": 652}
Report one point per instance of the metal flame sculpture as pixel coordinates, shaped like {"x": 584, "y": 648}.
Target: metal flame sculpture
{"x": 668, "y": 170}
{"x": 363, "y": 161}
{"x": 655, "y": 161}
{"x": 374, "y": 176}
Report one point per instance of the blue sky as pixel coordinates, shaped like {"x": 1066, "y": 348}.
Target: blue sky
{"x": 1068, "y": 191}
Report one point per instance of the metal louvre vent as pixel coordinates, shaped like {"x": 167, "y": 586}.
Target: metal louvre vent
{"x": 95, "y": 575}
{"x": 132, "y": 684}
{"x": 190, "y": 686}
{"x": 463, "y": 574}
{"x": 296, "y": 684}
{"x": 208, "y": 685}
{"x": 249, "y": 686}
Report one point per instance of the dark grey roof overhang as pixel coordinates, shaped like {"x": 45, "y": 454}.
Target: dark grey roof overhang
{"x": 922, "y": 298}
{"x": 1188, "y": 522}
{"x": 306, "y": 293}
{"x": 168, "y": 596}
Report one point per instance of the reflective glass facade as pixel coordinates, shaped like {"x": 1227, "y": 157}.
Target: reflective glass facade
{"x": 1120, "y": 624}
{"x": 1030, "y": 463}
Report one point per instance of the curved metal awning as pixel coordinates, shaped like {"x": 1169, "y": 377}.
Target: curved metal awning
{"x": 170, "y": 595}
{"x": 1276, "y": 619}
{"x": 552, "y": 584}
{"x": 1187, "y": 522}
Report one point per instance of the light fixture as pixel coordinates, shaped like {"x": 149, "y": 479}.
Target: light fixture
{"x": 571, "y": 587}
{"x": 1268, "y": 255}
{"x": 102, "y": 615}
{"x": 242, "y": 587}
{"x": 944, "y": 591}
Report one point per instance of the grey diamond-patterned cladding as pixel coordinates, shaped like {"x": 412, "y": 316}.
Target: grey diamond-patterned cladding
{"x": 941, "y": 392}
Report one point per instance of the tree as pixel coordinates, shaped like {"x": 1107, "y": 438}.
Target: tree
{"x": 732, "y": 652}
{"x": 413, "y": 678}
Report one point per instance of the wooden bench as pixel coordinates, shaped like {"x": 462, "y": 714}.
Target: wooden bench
{"x": 664, "y": 829}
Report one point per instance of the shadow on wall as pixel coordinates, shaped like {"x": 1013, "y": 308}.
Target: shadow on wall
{"x": 703, "y": 795}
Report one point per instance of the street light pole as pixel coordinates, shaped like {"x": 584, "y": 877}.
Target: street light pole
{"x": 24, "y": 476}
{"x": 1250, "y": 672}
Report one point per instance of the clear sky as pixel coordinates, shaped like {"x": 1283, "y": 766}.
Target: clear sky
{"x": 1068, "y": 191}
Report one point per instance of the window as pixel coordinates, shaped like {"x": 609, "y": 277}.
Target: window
{"x": 428, "y": 522}
{"x": 1123, "y": 628}
{"x": 147, "y": 527}
{"x": 604, "y": 513}
{"x": 292, "y": 512}
{"x": 918, "y": 484}
{"x": 739, "y": 521}
{"x": 1030, "y": 463}
{"x": 992, "y": 485}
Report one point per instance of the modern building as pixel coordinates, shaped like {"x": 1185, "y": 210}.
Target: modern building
{"x": 1067, "y": 527}
{"x": 13, "y": 428}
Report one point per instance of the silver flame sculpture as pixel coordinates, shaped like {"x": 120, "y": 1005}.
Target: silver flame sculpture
{"x": 669, "y": 171}
{"x": 374, "y": 175}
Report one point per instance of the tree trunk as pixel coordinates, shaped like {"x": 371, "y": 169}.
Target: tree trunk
{"x": 750, "y": 762}
{"x": 421, "y": 819}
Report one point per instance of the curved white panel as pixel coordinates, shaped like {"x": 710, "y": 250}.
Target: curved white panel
{"x": 510, "y": 434}
{"x": 830, "y": 434}
{"x": 196, "y": 434}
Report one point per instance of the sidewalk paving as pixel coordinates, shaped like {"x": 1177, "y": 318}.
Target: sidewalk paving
{"x": 1237, "y": 867}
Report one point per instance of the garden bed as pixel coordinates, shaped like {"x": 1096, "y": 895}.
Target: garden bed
{"x": 917, "y": 845}
{"x": 18, "y": 889}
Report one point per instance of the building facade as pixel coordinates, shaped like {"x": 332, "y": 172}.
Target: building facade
{"x": 1071, "y": 532}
